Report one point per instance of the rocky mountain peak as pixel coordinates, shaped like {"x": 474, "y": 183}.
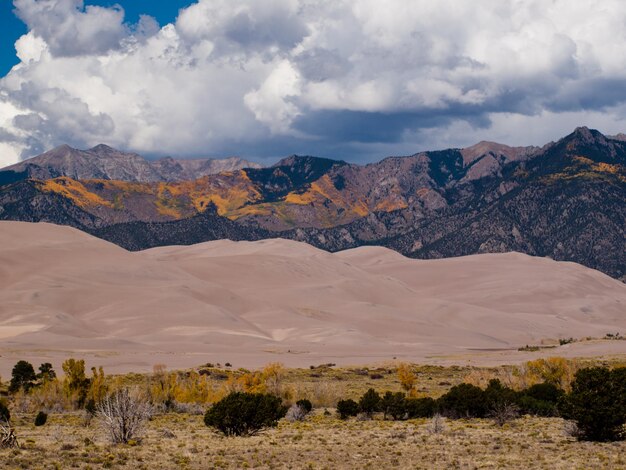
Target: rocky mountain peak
{"x": 103, "y": 149}
{"x": 585, "y": 135}
{"x": 485, "y": 147}
{"x": 61, "y": 148}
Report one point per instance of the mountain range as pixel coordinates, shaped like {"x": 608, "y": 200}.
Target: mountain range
{"x": 565, "y": 200}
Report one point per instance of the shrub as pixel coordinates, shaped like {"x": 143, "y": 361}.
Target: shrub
{"x": 91, "y": 407}
{"x": 464, "y": 401}
{"x": 347, "y": 408}
{"x": 123, "y": 416}
{"x": 41, "y": 418}
{"x": 295, "y": 413}
{"x": 497, "y": 394}
{"x": 437, "y": 424}
{"x": 532, "y": 406}
{"x": 305, "y": 404}
{"x": 554, "y": 370}
{"x": 545, "y": 392}
{"x": 597, "y": 403}
{"x": 540, "y": 399}
{"x": 22, "y": 377}
{"x": 394, "y": 405}
{"x": 245, "y": 414}
{"x": 420, "y": 407}
{"x": 5, "y": 414}
{"x": 503, "y": 412}
{"x": 267, "y": 381}
{"x": 370, "y": 402}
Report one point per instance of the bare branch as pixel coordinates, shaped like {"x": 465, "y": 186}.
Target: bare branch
{"x": 123, "y": 416}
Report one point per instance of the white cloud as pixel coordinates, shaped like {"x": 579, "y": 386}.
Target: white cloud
{"x": 29, "y": 48}
{"x": 70, "y": 29}
{"x": 233, "y": 75}
{"x": 270, "y": 103}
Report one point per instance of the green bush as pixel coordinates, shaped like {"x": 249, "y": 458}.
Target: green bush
{"x": 464, "y": 401}
{"x": 91, "y": 407}
{"x": 347, "y": 408}
{"x": 5, "y": 414}
{"x": 497, "y": 394}
{"x": 597, "y": 403}
{"x": 370, "y": 402}
{"x": 540, "y": 399}
{"x": 545, "y": 392}
{"x": 394, "y": 405}
{"x": 531, "y": 406}
{"x": 305, "y": 404}
{"x": 420, "y": 407}
{"x": 245, "y": 414}
{"x": 41, "y": 418}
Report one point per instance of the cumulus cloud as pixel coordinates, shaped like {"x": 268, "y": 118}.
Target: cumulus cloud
{"x": 68, "y": 28}
{"x": 343, "y": 78}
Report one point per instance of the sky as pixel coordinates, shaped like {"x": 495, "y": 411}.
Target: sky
{"x": 349, "y": 79}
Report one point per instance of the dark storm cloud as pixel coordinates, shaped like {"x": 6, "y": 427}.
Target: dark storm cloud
{"x": 594, "y": 93}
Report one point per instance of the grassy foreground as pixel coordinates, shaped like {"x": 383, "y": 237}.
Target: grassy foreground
{"x": 321, "y": 441}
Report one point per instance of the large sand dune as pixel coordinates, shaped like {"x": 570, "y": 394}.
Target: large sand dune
{"x": 64, "y": 293}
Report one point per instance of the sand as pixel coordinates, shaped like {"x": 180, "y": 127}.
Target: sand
{"x": 66, "y": 294}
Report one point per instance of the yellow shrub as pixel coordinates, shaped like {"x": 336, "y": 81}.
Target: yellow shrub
{"x": 268, "y": 380}
{"x": 182, "y": 387}
{"x": 555, "y": 370}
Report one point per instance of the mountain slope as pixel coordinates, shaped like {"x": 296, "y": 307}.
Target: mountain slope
{"x": 567, "y": 202}
{"x": 203, "y": 227}
{"x": 255, "y": 302}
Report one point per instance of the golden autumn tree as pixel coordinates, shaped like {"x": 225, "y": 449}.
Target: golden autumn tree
{"x": 273, "y": 375}
{"x": 75, "y": 383}
{"x": 408, "y": 380}
{"x": 97, "y": 388}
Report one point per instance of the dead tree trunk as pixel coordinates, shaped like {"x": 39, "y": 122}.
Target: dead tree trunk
{"x": 8, "y": 440}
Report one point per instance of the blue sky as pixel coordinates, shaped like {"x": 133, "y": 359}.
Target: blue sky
{"x": 164, "y": 11}
{"x": 12, "y": 29}
{"x": 343, "y": 79}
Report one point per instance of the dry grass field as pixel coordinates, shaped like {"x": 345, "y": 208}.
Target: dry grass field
{"x": 321, "y": 441}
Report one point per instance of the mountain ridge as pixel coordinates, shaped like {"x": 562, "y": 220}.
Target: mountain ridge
{"x": 565, "y": 200}
{"x": 105, "y": 162}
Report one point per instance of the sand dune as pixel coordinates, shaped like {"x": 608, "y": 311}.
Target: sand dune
{"x": 64, "y": 293}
